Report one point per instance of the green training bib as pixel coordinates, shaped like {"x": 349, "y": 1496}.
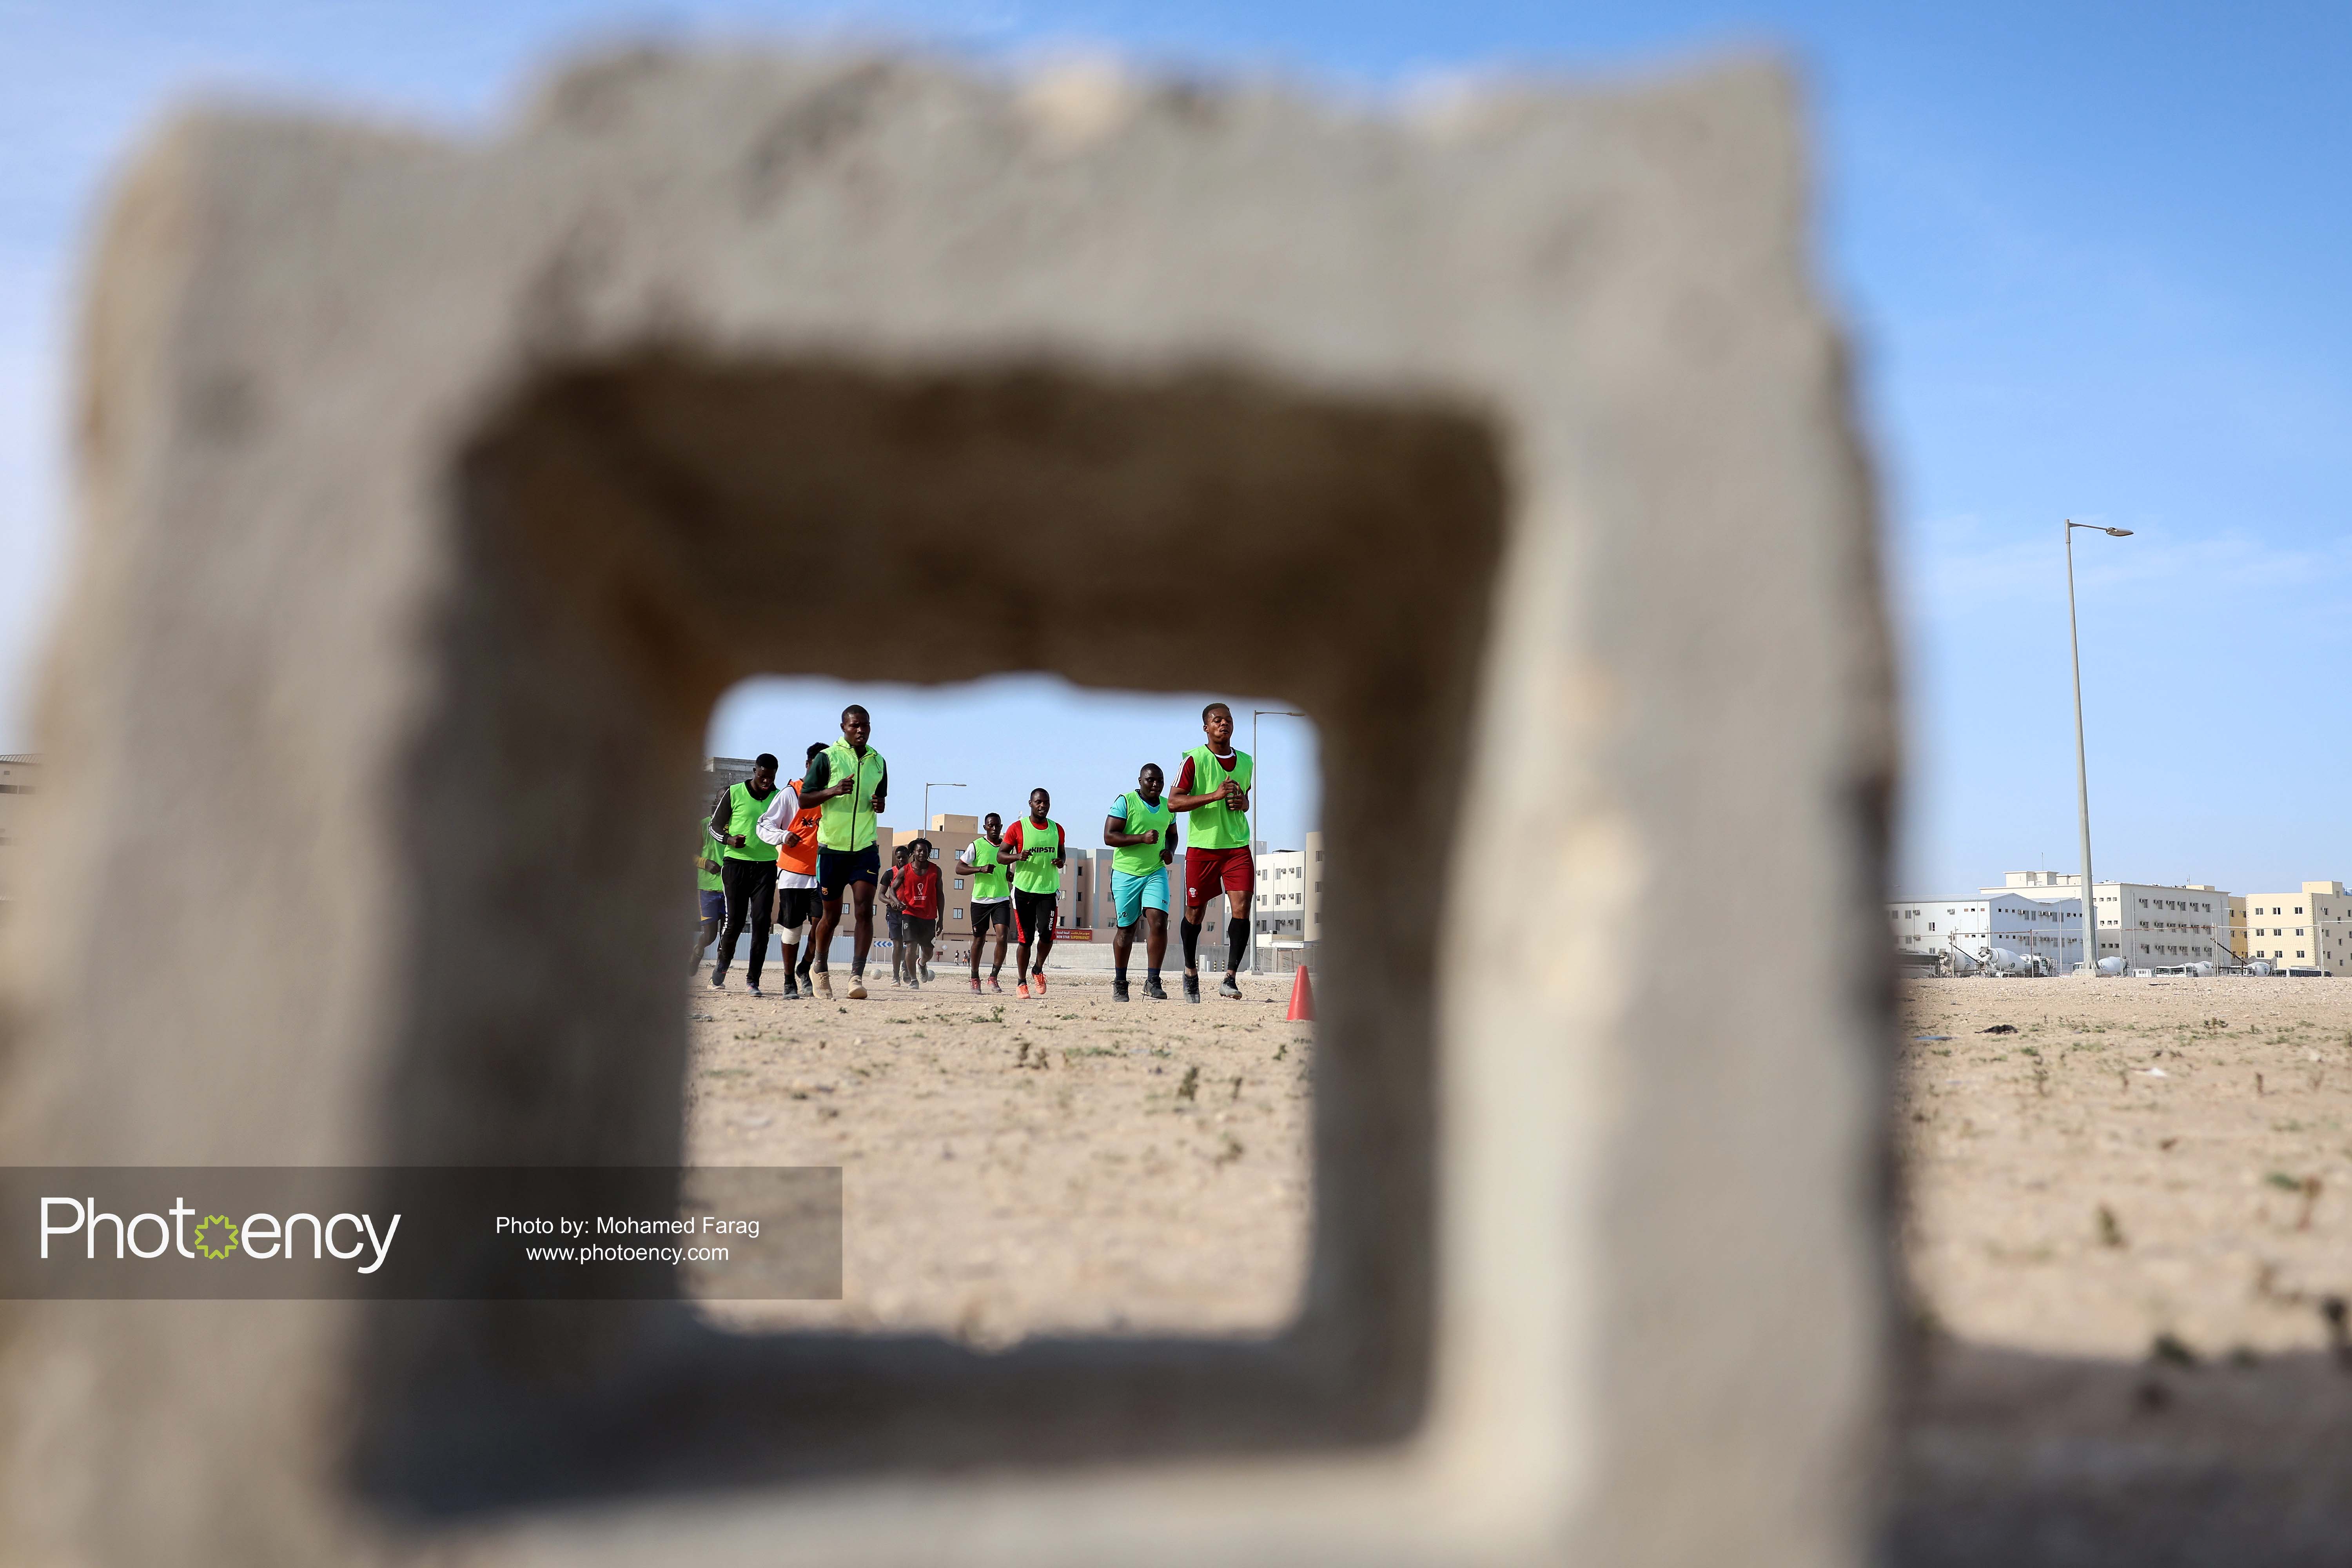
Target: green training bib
{"x": 1035, "y": 873}
{"x": 847, "y": 820}
{"x": 990, "y": 882}
{"x": 744, "y": 810}
{"x": 1143, "y": 860}
{"x": 1216, "y": 826}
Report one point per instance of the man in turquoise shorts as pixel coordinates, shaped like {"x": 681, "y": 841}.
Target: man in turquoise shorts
{"x": 1141, "y": 833}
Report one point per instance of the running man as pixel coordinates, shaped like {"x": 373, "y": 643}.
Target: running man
{"x": 747, "y": 869}
{"x": 885, "y": 891}
{"x": 1213, "y": 787}
{"x": 991, "y": 897}
{"x": 921, "y": 899}
{"x": 791, "y": 828}
{"x": 1035, "y": 848}
{"x": 710, "y": 892}
{"x": 850, "y": 781}
{"x": 1141, "y": 833}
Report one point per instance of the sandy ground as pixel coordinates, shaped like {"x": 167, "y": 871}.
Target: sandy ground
{"x": 2141, "y": 1158}
{"x": 1013, "y": 1167}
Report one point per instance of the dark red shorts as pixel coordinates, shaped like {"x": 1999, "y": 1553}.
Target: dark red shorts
{"x": 1207, "y": 871}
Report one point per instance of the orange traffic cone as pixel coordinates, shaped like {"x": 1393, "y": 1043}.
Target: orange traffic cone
{"x": 1302, "y": 999}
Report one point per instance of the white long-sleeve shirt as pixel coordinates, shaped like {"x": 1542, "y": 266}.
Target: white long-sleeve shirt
{"x": 777, "y": 821}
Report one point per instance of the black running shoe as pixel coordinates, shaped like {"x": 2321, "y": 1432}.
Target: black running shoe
{"x": 755, "y": 988}
{"x": 1191, "y": 988}
{"x": 718, "y": 980}
{"x": 1119, "y": 988}
{"x": 1230, "y": 989}
{"x": 1154, "y": 992}
{"x": 792, "y": 992}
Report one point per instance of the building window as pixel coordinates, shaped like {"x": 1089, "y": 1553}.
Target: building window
{"x": 956, "y": 914}
{"x": 959, "y": 882}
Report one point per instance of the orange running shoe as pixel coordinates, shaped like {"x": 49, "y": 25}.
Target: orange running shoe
{"x": 1023, "y": 989}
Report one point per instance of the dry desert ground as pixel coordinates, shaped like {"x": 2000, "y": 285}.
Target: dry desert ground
{"x": 2142, "y": 1159}
{"x": 1011, "y": 1167}
{"x": 2141, "y": 1163}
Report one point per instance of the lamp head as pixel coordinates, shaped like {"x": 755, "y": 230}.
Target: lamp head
{"x": 2120, "y": 532}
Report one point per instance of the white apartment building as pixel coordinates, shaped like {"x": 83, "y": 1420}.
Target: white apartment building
{"x": 2309, "y": 930}
{"x": 2148, "y": 925}
{"x": 1972, "y": 925}
{"x": 1289, "y": 896}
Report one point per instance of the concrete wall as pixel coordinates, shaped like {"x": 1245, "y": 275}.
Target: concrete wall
{"x": 403, "y": 466}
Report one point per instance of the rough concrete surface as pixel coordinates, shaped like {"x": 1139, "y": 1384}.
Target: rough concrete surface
{"x": 394, "y": 625}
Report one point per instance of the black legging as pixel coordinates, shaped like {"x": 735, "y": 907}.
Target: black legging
{"x": 750, "y": 891}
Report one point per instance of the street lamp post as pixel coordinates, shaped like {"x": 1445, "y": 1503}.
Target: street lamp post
{"x": 2081, "y": 767}
{"x": 1258, "y": 765}
{"x": 927, "y": 788}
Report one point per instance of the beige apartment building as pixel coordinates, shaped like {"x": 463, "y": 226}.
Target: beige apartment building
{"x": 2307, "y": 930}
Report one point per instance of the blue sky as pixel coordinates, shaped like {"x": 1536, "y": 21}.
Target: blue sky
{"x": 2092, "y": 257}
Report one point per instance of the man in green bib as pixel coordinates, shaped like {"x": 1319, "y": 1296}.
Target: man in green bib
{"x": 850, "y": 781}
{"x": 747, "y": 868}
{"x": 1037, "y": 847}
{"x": 991, "y": 897}
{"x": 710, "y": 893}
{"x": 1141, "y": 833}
{"x": 1213, "y": 788}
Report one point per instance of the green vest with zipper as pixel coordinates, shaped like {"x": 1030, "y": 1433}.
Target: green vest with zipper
{"x": 1143, "y": 860}
{"x": 743, "y": 812}
{"x": 1036, "y": 873}
{"x": 1216, "y": 826}
{"x": 847, "y": 821}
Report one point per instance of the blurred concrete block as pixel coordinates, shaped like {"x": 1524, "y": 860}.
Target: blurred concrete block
{"x": 431, "y": 494}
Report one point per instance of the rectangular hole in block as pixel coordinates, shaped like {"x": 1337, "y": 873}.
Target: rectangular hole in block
{"x": 633, "y": 538}
{"x": 1023, "y": 1166}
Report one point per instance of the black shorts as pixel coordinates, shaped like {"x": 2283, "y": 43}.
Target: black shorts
{"x": 918, "y": 931}
{"x": 795, "y": 905}
{"x": 836, "y": 868}
{"x": 998, "y": 913}
{"x": 1035, "y": 912}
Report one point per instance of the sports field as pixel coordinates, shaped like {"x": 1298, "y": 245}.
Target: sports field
{"x": 1072, "y": 1164}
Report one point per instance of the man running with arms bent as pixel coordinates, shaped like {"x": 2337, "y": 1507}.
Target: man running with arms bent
{"x": 1140, "y": 830}
{"x": 1037, "y": 847}
{"x": 991, "y": 897}
{"x": 1212, "y": 787}
{"x": 850, "y": 781}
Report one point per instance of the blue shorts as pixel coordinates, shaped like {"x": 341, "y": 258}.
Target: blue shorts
{"x": 1130, "y": 895}
{"x": 714, "y": 903}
